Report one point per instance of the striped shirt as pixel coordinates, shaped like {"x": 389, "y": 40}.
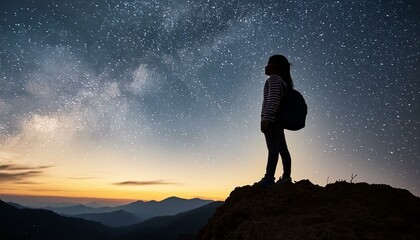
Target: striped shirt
{"x": 274, "y": 90}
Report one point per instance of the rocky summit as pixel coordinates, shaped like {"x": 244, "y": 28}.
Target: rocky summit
{"x": 303, "y": 210}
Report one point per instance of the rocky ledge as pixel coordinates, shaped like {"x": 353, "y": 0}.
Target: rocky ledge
{"x": 303, "y": 210}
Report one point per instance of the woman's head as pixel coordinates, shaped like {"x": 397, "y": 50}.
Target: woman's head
{"x": 279, "y": 65}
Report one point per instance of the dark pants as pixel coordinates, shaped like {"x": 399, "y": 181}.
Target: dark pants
{"x": 276, "y": 143}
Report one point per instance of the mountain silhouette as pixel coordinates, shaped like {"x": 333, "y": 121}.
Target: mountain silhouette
{"x": 80, "y": 209}
{"x": 40, "y": 224}
{"x": 306, "y": 211}
{"x": 181, "y": 226}
{"x": 141, "y": 209}
{"x": 168, "y": 206}
{"x": 117, "y": 218}
{"x": 16, "y": 205}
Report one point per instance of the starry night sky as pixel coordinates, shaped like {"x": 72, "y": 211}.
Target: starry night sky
{"x": 163, "y": 97}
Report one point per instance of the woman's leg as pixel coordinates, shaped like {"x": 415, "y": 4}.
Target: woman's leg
{"x": 284, "y": 153}
{"x": 271, "y": 138}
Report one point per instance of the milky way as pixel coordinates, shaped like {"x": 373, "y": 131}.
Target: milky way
{"x": 188, "y": 75}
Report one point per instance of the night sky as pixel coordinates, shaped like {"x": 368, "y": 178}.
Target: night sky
{"x": 147, "y": 99}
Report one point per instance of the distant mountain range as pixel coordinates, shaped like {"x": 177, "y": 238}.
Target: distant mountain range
{"x": 80, "y": 209}
{"x": 118, "y": 218}
{"x": 169, "y": 206}
{"x": 40, "y": 224}
{"x": 143, "y": 210}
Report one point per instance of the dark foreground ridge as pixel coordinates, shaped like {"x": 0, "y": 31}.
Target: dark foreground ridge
{"x": 306, "y": 211}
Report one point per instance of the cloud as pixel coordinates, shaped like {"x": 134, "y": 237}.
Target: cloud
{"x": 6, "y": 177}
{"x": 20, "y": 167}
{"x": 145, "y": 183}
{"x": 20, "y": 173}
{"x": 26, "y": 183}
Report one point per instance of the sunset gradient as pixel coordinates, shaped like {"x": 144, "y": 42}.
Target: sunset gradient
{"x": 147, "y": 100}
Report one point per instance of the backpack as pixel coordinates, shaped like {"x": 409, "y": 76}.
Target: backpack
{"x": 292, "y": 111}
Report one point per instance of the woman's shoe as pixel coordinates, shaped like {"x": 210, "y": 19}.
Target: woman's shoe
{"x": 284, "y": 180}
{"x": 265, "y": 182}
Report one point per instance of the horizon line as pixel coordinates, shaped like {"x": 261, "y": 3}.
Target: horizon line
{"x": 100, "y": 198}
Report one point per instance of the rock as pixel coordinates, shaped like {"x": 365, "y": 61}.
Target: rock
{"x": 306, "y": 211}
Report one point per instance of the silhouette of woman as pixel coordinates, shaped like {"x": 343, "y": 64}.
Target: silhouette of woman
{"x": 275, "y": 87}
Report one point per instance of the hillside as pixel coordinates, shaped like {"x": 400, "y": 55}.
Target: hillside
{"x": 117, "y": 218}
{"x": 181, "y": 226}
{"x": 306, "y": 211}
{"x": 16, "y": 224}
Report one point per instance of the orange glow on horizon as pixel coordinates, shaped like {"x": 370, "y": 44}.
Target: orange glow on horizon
{"x": 114, "y": 196}
{"x": 113, "y": 193}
